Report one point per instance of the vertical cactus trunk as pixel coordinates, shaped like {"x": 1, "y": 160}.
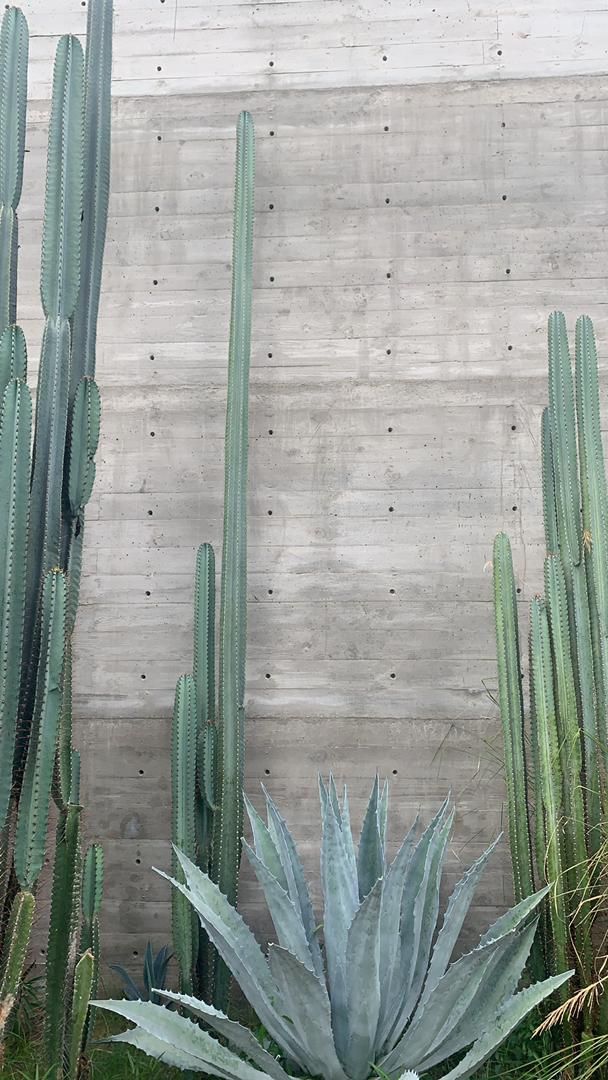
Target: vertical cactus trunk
{"x": 63, "y": 940}
{"x": 183, "y": 772}
{"x": 14, "y": 46}
{"x": 568, "y": 658}
{"x": 233, "y": 600}
{"x": 208, "y": 802}
{"x": 512, "y": 713}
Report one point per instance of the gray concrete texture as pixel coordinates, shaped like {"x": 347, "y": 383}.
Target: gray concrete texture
{"x": 417, "y": 217}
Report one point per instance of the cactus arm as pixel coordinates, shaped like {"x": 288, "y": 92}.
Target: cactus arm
{"x": 512, "y": 715}
{"x": 97, "y": 183}
{"x": 92, "y": 890}
{"x": 569, "y": 734}
{"x": 62, "y": 781}
{"x": 15, "y": 433}
{"x": 84, "y": 439}
{"x": 204, "y": 679}
{"x": 63, "y": 934}
{"x": 62, "y": 228}
{"x": 587, "y": 702}
{"x": 595, "y": 509}
{"x": 32, "y": 819}
{"x": 549, "y": 792}
{"x": 204, "y": 635}
{"x": 234, "y": 553}
{"x": 563, "y": 436}
{"x": 83, "y": 986}
{"x": 548, "y": 482}
{"x": 92, "y": 896}
{"x": 17, "y": 939}
{"x": 183, "y": 773}
{"x": 13, "y": 356}
{"x": 14, "y": 48}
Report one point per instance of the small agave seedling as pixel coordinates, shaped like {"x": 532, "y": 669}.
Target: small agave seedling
{"x": 379, "y": 996}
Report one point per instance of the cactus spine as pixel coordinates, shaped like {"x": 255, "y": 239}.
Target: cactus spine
{"x": 44, "y": 490}
{"x": 560, "y": 774}
{"x": 215, "y": 800}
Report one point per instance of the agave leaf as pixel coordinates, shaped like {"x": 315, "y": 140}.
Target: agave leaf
{"x": 515, "y": 1010}
{"x": 157, "y": 1048}
{"x": 132, "y": 990}
{"x": 453, "y": 920}
{"x": 404, "y": 952}
{"x": 340, "y": 894}
{"x": 296, "y": 881}
{"x": 370, "y": 861}
{"x": 265, "y": 847}
{"x": 454, "y": 1013}
{"x": 239, "y": 1037}
{"x": 515, "y": 917}
{"x": 450, "y": 1000}
{"x": 238, "y": 948}
{"x": 390, "y": 941}
{"x": 171, "y": 1036}
{"x": 500, "y": 980}
{"x": 347, "y": 834}
{"x": 306, "y": 1004}
{"x": 421, "y": 927}
{"x": 362, "y": 975}
{"x": 285, "y": 917}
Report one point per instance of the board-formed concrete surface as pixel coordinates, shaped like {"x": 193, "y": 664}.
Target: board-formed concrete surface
{"x": 416, "y": 220}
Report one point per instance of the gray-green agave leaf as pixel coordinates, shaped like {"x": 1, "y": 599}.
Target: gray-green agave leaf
{"x": 382, "y": 997}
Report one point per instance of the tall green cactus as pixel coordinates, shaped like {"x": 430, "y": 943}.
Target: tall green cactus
{"x": 214, "y": 804}
{"x": 44, "y": 490}
{"x": 554, "y": 783}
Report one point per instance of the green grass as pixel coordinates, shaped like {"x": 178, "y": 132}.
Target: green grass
{"x": 23, "y": 1062}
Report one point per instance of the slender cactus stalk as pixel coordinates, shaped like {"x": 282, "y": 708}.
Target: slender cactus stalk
{"x": 84, "y": 976}
{"x": 17, "y": 941}
{"x": 14, "y": 47}
{"x": 512, "y": 713}
{"x": 63, "y": 941}
{"x": 183, "y": 771}
{"x": 216, "y": 806}
{"x": 233, "y": 603}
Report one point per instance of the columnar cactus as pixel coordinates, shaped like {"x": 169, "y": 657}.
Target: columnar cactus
{"x": 553, "y": 780}
{"x": 44, "y": 491}
{"x": 210, "y": 809}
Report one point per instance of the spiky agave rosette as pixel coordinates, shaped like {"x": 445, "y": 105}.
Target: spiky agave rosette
{"x": 379, "y": 994}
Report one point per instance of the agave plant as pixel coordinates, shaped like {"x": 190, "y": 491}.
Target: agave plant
{"x": 378, "y": 996}
{"x": 154, "y": 975}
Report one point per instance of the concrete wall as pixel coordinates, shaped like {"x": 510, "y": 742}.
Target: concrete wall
{"x": 417, "y": 219}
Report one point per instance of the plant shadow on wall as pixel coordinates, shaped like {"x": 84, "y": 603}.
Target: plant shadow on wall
{"x": 43, "y": 494}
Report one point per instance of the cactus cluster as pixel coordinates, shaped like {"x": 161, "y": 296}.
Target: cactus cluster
{"x": 556, "y": 764}
{"x": 44, "y": 489}
{"x": 208, "y": 735}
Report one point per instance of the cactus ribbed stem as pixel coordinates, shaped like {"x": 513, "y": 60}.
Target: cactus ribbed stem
{"x": 183, "y": 772}
{"x": 512, "y": 713}
{"x": 215, "y": 810}
{"x": 233, "y": 603}
{"x": 15, "y": 951}
{"x": 64, "y": 931}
